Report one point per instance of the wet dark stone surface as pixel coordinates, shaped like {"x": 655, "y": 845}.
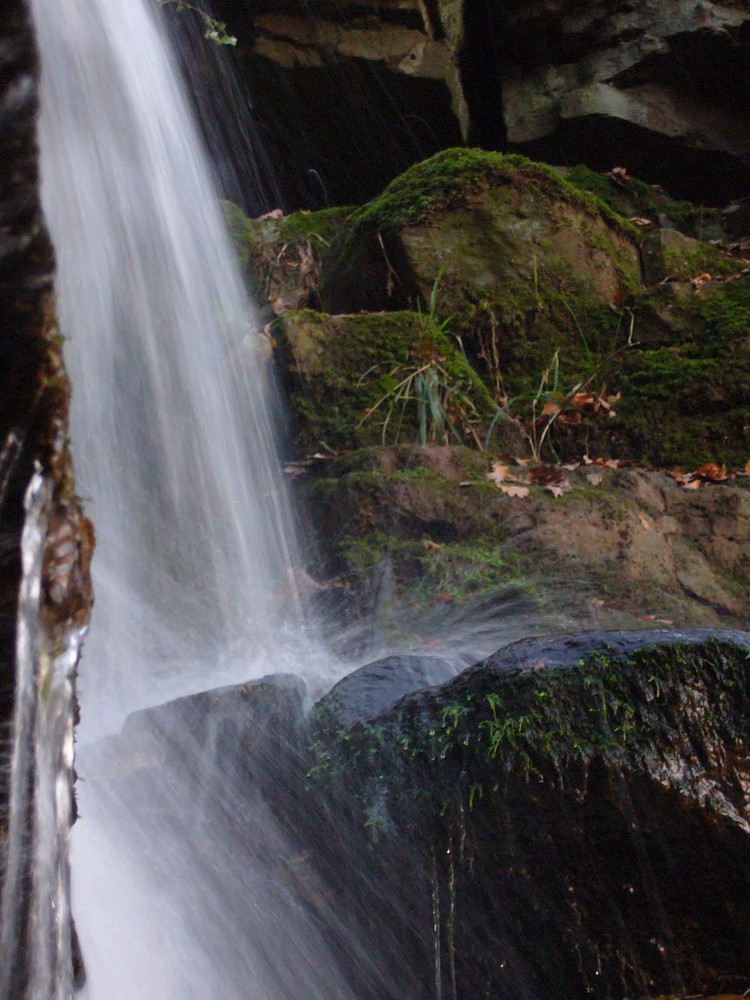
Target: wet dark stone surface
{"x": 568, "y": 818}
{"x": 377, "y": 686}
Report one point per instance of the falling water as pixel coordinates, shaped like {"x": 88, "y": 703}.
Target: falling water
{"x": 171, "y": 421}
{"x": 173, "y": 436}
{"x": 36, "y": 928}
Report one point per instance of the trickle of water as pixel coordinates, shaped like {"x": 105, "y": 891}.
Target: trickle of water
{"x": 36, "y": 928}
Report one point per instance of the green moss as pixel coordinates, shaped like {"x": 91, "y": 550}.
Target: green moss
{"x": 263, "y": 245}
{"x": 631, "y": 196}
{"x": 426, "y": 573}
{"x": 448, "y": 179}
{"x": 699, "y": 386}
{"x": 703, "y": 259}
{"x": 322, "y": 225}
{"x": 346, "y": 373}
{"x": 630, "y": 711}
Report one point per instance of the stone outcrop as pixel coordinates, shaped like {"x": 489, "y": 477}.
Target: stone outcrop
{"x": 567, "y": 818}
{"x": 615, "y": 548}
{"x": 540, "y": 319}
{"x": 659, "y": 88}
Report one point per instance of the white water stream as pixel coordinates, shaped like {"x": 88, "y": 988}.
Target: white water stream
{"x": 174, "y": 446}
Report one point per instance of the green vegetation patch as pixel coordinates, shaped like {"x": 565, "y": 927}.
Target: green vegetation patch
{"x": 449, "y": 179}
{"x": 357, "y": 380}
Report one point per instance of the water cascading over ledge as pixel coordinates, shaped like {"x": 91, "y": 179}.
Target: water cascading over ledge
{"x": 45, "y": 593}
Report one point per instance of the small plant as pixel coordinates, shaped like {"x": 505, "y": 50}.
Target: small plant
{"x": 445, "y": 411}
{"x": 215, "y": 31}
{"x": 536, "y": 412}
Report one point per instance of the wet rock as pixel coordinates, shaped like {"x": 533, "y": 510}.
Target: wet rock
{"x": 34, "y": 398}
{"x": 241, "y": 726}
{"x": 376, "y": 687}
{"x": 555, "y": 821}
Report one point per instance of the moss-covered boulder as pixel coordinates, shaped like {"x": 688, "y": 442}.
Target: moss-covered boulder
{"x": 685, "y": 391}
{"x": 359, "y": 379}
{"x": 632, "y": 197}
{"x": 568, "y": 818}
{"x": 523, "y": 263}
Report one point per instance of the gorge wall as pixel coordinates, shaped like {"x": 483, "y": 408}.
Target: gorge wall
{"x": 349, "y": 94}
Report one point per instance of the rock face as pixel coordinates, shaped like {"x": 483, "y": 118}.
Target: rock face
{"x": 570, "y": 818}
{"x": 617, "y": 547}
{"x": 33, "y": 403}
{"x": 657, "y": 87}
{"x": 646, "y": 85}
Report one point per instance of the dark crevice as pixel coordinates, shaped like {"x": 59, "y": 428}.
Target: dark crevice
{"x": 480, "y": 67}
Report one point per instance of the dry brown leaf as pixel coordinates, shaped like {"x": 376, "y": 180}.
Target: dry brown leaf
{"x": 498, "y": 473}
{"x": 557, "y": 489}
{"x": 550, "y": 409}
{"x": 645, "y": 523}
{"x": 543, "y": 474}
{"x": 582, "y": 399}
{"x": 713, "y": 472}
{"x": 513, "y": 489}
{"x": 747, "y": 467}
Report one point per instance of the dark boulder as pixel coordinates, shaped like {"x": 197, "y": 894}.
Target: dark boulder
{"x": 569, "y": 818}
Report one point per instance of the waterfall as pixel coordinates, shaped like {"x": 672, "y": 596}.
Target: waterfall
{"x": 173, "y": 420}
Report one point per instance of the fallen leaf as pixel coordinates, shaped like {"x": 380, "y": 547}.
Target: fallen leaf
{"x": 642, "y": 223}
{"x": 747, "y": 468}
{"x": 275, "y": 213}
{"x": 557, "y": 489}
{"x": 499, "y": 473}
{"x": 582, "y": 399}
{"x": 618, "y": 174}
{"x": 542, "y": 474}
{"x": 594, "y": 478}
{"x": 513, "y": 490}
{"x": 713, "y": 472}
{"x": 699, "y": 280}
{"x": 645, "y": 523}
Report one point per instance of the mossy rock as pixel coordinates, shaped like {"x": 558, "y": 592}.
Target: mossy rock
{"x": 282, "y": 255}
{"x": 631, "y": 197}
{"x": 523, "y": 263}
{"x": 354, "y": 380}
{"x": 685, "y": 393}
{"x": 668, "y": 253}
{"x": 621, "y": 545}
